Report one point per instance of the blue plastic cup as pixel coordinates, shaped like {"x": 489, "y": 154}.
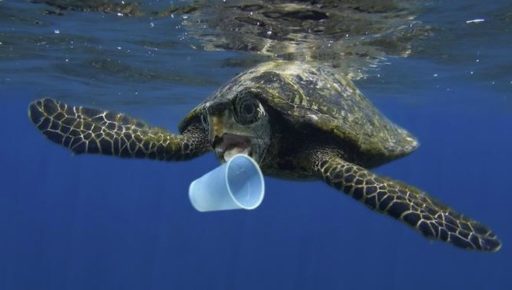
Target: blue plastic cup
{"x": 236, "y": 184}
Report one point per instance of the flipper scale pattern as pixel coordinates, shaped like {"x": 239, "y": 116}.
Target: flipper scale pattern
{"x": 86, "y": 130}
{"x": 404, "y": 202}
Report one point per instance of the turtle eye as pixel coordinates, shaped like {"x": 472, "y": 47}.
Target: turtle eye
{"x": 203, "y": 115}
{"x": 204, "y": 121}
{"x": 247, "y": 110}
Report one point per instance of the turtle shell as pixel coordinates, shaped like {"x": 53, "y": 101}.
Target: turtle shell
{"x": 320, "y": 96}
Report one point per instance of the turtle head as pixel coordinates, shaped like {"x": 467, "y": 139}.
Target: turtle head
{"x": 239, "y": 124}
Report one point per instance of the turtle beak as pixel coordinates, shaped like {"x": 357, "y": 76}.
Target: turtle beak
{"x": 227, "y": 144}
{"x": 216, "y": 129}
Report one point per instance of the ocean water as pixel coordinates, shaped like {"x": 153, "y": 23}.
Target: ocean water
{"x": 97, "y": 222}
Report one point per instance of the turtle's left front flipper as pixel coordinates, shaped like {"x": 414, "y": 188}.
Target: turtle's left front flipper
{"x": 86, "y": 130}
{"x": 403, "y": 202}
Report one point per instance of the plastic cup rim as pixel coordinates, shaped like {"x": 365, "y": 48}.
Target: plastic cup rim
{"x": 260, "y": 174}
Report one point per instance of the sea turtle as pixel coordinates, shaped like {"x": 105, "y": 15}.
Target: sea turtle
{"x": 297, "y": 120}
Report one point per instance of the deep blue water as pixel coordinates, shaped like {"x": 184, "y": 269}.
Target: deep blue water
{"x": 96, "y": 222}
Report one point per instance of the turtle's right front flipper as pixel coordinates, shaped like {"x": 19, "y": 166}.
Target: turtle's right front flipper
{"x": 85, "y": 130}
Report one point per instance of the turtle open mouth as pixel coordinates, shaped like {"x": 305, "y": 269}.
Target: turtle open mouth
{"x": 230, "y": 144}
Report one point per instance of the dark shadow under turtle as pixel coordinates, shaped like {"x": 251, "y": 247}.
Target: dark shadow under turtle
{"x": 297, "y": 120}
